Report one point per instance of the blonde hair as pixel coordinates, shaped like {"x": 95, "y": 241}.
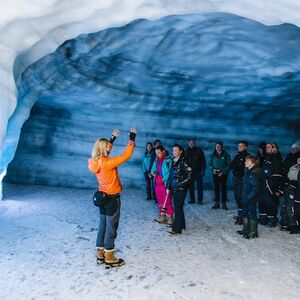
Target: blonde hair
{"x": 100, "y": 149}
{"x": 274, "y": 146}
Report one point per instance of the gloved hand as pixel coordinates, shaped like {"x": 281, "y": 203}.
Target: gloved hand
{"x": 132, "y": 134}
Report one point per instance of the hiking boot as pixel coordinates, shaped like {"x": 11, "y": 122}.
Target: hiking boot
{"x": 100, "y": 255}
{"x": 161, "y": 220}
{"x": 111, "y": 261}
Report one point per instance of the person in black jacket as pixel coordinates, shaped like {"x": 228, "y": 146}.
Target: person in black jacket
{"x": 178, "y": 182}
{"x": 237, "y": 166}
{"x": 272, "y": 167}
{"x": 252, "y": 192}
{"x": 287, "y": 221}
{"x": 197, "y": 162}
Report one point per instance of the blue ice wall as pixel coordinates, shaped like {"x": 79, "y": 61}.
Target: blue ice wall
{"x": 209, "y": 76}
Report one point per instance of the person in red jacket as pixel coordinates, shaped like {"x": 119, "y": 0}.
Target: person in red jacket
{"x": 105, "y": 169}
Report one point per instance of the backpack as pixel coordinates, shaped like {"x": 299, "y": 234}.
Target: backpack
{"x": 293, "y": 172}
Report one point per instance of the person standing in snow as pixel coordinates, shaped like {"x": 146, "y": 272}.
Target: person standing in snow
{"x": 219, "y": 163}
{"x": 197, "y": 162}
{"x": 272, "y": 167}
{"x": 160, "y": 172}
{"x": 178, "y": 183}
{"x": 287, "y": 221}
{"x": 105, "y": 169}
{"x": 252, "y": 191}
{"x": 238, "y": 167}
{"x": 146, "y": 167}
{"x": 297, "y": 203}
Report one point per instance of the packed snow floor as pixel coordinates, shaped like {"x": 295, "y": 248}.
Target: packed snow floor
{"x": 47, "y": 251}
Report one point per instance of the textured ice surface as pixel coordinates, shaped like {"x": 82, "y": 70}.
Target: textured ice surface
{"x": 212, "y": 76}
{"x": 32, "y": 29}
{"x": 47, "y": 251}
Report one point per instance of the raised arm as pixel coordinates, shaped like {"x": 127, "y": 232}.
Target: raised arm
{"x": 118, "y": 160}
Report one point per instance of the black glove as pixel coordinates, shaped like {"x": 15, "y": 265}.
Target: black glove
{"x": 132, "y": 136}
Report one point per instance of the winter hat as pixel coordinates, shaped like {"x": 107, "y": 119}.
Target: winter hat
{"x": 296, "y": 145}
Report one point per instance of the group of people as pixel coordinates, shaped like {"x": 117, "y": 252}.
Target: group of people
{"x": 167, "y": 180}
{"x": 257, "y": 180}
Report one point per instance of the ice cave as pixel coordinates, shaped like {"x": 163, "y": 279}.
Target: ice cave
{"x": 71, "y": 72}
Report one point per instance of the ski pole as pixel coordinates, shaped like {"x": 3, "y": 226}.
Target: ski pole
{"x": 163, "y": 208}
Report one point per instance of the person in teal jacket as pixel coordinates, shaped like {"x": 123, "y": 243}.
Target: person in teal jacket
{"x": 219, "y": 164}
{"x": 147, "y": 164}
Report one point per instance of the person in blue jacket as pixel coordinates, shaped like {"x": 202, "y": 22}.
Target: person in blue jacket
{"x": 251, "y": 194}
{"x": 147, "y": 163}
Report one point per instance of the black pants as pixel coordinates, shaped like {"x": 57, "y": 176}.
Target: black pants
{"x": 197, "y": 176}
{"x": 178, "y": 200}
{"x": 220, "y": 183}
{"x": 271, "y": 201}
{"x": 149, "y": 186}
{"x": 296, "y": 209}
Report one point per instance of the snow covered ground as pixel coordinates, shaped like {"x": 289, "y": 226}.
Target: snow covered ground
{"x": 47, "y": 251}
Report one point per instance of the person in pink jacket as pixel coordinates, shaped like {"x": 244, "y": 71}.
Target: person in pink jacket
{"x": 160, "y": 171}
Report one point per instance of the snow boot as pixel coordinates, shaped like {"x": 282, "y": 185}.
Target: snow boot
{"x": 161, "y": 220}
{"x": 246, "y": 227}
{"x": 253, "y": 230}
{"x": 111, "y": 261}
{"x": 100, "y": 255}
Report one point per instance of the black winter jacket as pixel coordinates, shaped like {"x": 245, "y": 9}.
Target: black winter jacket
{"x": 272, "y": 167}
{"x": 238, "y": 164}
{"x": 196, "y": 158}
{"x": 180, "y": 174}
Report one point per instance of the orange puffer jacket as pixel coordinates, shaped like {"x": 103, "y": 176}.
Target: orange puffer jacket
{"x": 106, "y": 170}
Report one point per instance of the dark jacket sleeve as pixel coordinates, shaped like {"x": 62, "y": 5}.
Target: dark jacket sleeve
{"x": 186, "y": 174}
{"x": 276, "y": 180}
{"x": 297, "y": 195}
{"x": 203, "y": 160}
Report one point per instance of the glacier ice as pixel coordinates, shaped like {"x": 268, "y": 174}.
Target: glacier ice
{"x": 213, "y": 76}
{"x": 30, "y": 30}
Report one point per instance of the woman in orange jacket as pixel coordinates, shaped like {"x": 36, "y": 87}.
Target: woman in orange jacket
{"x": 105, "y": 169}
